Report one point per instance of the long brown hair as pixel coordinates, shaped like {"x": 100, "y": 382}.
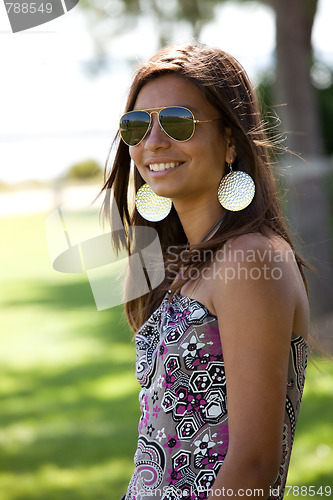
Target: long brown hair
{"x": 226, "y": 86}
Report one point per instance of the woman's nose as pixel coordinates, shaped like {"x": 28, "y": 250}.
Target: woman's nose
{"x": 156, "y": 137}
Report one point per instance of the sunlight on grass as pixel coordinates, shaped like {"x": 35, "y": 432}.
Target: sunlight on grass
{"x": 80, "y": 482}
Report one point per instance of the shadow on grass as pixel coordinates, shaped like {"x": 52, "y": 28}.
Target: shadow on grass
{"x": 75, "y": 434}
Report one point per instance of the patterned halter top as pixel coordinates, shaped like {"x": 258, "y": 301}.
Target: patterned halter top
{"x": 183, "y": 429}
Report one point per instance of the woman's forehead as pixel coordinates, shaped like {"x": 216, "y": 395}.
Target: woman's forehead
{"x": 170, "y": 90}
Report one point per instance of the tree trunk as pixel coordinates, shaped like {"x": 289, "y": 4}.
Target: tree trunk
{"x": 307, "y": 200}
{"x": 299, "y": 113}
{"x": 308, "y": 210}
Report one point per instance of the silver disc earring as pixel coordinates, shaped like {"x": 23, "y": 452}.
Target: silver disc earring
{"x": 236, "y": 190}
{"x": 151, "y": 206}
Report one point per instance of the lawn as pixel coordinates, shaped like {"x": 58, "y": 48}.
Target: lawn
{"x": 68, "y": 394}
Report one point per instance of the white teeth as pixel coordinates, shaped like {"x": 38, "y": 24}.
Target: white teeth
{"x": 157, "y": 167}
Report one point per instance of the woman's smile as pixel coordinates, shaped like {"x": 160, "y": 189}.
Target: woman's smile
{"x": 161, "y": 167}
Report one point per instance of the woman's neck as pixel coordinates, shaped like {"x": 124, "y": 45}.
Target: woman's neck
{"x": 199, "y": 221}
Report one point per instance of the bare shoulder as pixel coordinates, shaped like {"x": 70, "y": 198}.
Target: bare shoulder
{"x": 255, "y": 247}
{"x": 261, "y": 273}
{"x": 255, "y": 258}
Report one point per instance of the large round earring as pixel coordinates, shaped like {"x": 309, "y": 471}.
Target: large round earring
{"x": 151, "y": 206}
{"x": 236, "y": 190}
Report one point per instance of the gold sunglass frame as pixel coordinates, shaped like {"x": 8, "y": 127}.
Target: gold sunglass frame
{"x": 157, "y": 112}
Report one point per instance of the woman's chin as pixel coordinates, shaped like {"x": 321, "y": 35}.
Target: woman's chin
{"x": 162, "y": 191}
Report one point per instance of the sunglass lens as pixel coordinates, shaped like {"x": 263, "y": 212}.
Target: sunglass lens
{"x": 177, "y": 123}
{"x": 133, "y": 127}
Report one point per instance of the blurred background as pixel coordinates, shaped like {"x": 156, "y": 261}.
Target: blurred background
{"x": 68, "y": 394}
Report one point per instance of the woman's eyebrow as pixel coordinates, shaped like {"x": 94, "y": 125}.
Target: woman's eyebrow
{"x": 191, "y": 108}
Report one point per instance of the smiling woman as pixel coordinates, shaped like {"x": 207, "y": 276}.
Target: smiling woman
{"x": 221, "y": 342}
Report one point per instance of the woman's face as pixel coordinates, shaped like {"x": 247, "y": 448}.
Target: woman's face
{"x": 198, "y": 164}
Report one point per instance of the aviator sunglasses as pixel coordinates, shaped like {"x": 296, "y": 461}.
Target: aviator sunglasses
{"x": 177, "y": 122}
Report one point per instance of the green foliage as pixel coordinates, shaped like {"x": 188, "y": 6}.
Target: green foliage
{"x": 68, "y": 394}
{"x": 85, "y": 170}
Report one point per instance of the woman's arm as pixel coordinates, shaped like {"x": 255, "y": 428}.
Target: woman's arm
{"x": 255, "y": 302}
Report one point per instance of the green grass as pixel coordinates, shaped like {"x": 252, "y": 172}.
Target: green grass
{"x": 68, "y": 394}
{"x": 312, "y": 457}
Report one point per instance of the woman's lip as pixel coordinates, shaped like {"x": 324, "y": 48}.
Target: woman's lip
{"x": 160, "y": 173}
